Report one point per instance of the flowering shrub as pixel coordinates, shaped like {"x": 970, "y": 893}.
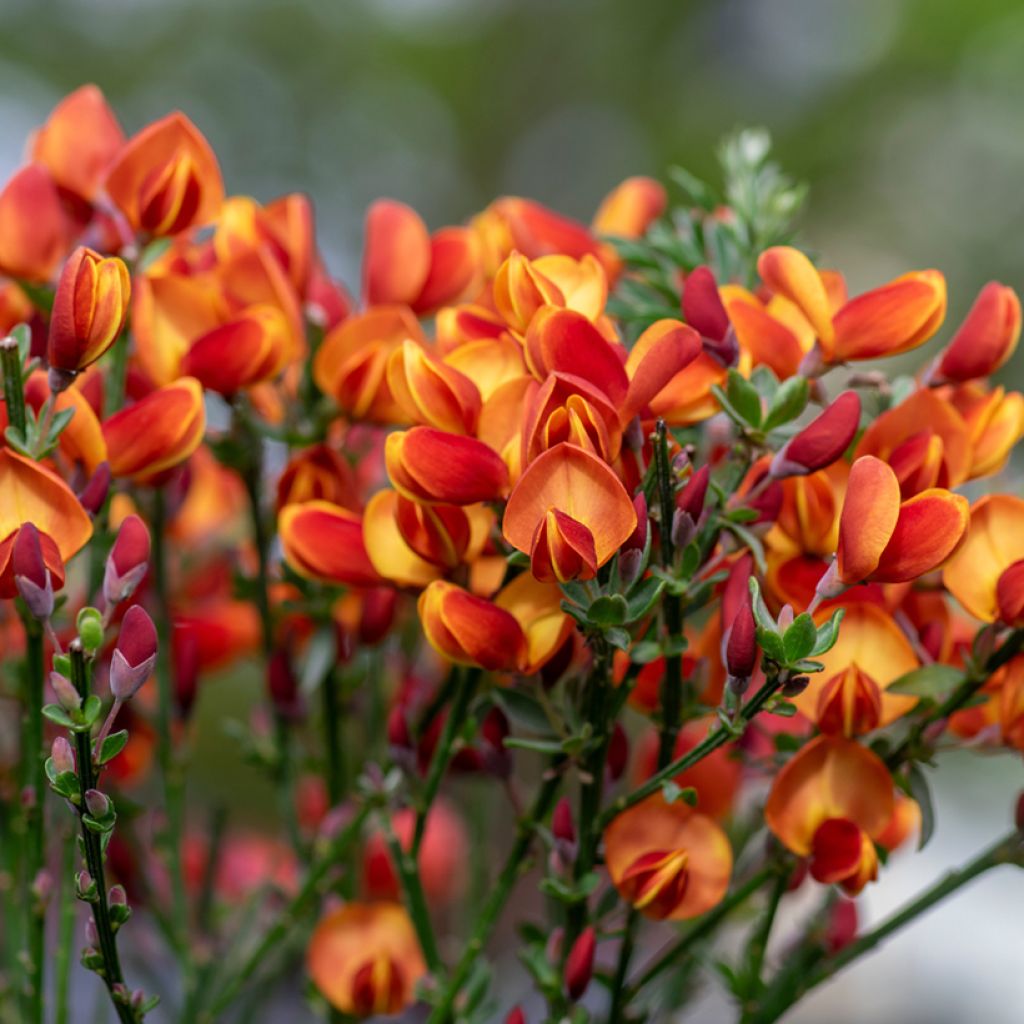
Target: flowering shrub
{"x": 599, "y": 529}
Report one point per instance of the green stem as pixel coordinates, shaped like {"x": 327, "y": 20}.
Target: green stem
{"x": 516, "y": 865}
{"x": 289, "y": 918}
{"x": 715, "y": 739}
{"x": 465, "y": 688}
{"x": 1007, "y": 850}
{"x": 700, "y": 930}
{"x": 171, "y": 767}
{"x": 415, "y": 899}
{"x": 117, "y": 376}
{"x": 66, "y": 930}
{"x": 35, "y": 781}
{"x": 14, "y": 389}
{"x": 332, "y": 738}
{"x": 618, "y": 1001}
{"x": 757, "y": 946}
{"x": 93, "y": 847}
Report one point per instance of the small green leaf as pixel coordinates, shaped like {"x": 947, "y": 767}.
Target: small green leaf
{"x": 538, "y": 746}
{"x": 112, "y": 746}
{"x": 828, "y": 633}
{"x": 643, "y": 597}
{"x": 696, "y": 190}
{"x": 618, "y": 637}
{"x": 523, "y": 709}
{"x": 743, "y": 397}
{"x": 321, "y": 655}
{"x": 762, "y": 616}
{"x": 783, "y": 708}
{"x": 921, "y": 792}
{"x": 56, "y": 714}
{"x": 799, "y": 638}
{"x": 789, "y": 402}
{"x": 672, "y": 792}
{"x": 771, "y": 644}
{"x": 645, "y": 652}
{"x": 929, "y": 681}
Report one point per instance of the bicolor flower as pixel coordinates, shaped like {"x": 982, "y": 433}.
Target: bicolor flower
{"x": 985, "y": 340}
{"x": 34, "y": 230}
{"x": 828, "y": 803}
{"x": 667, "y": 860}
{"x": 324, "y": 542}
{"x": 986, "y": 574}
{"x": 822, "y": 441}
{"x": 430, "y": 392}
{"x": 570, "y": 513}
{"x": 318, "y": 473}
{"x": 166, "y": 179}
{"x": 31, "y": 568}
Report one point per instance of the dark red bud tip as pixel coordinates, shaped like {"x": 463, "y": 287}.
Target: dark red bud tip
{"x": 27, "y": 557}
{"x": 691, "y": 498}
{"x": 822, "y": 441}
{"x": 282, "y": 685}
{"x": 741, "y": 649}
{"x": 127, "y": 561}
{"x": 637, "y": 540}
{"x": 135, "y": 655}
{"x": 94, "y": 493}
{"x": 618, "y": 753}
{"x": 36, "y": 566}
{"x": 702, "y": 306}
{"x": 841, "y": 929}
{"x": 736, "y": 591}
{"x": 515, "y": 1016}
{"x": 579, "y": 964}
{"x": 562, "y": 826}
{"x": 399, "y": 735}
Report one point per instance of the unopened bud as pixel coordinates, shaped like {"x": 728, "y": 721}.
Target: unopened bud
{"x": 85, "y": 886}
{"x": 822, "y": 441}
{"x": 618, "y": 752}
{"x": 630, "y": 564}
{"x": 795, "y": 686}
{"x": 637, "y": 540}
{"x": 562, "y": 826}
{"x": 42, "y": 886}
{"x": 133, "y": 659}
{"x": 93, "y": 495}
{"x": 98, "y": 804}
{"x": 92, "y": 935}
{"x": 63, "y": 756}
{"x": 127, "y": 562}
{"x": 579, "y": 964}
{"x": 118, "y": 896}
{"x": 32, "y": 577}
{"x": 89, "y": 623}
{"x": 684, "y": 528}
{"x": 692, "y": 497}
{"x": 67, "y": 696}
{"x": 515, "y": 1016}
{"x": 841, "y": 928}
{"x": 741, "y": 647}
{"x": 282, "y": 685}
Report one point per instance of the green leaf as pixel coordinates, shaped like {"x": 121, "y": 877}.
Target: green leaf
{"x": 932, "y": 682}
{"x": 644, "y": 652}
{"x": 672, "y": 792}
{"x": 762, "y": 616}
{"x": 576, "y": 593}
{"x": 567, "y": 892}
{"x": 765, "y": 382}
{"x": 799, "y": 639}
{"x": 828, "y": 633}
{"x": 538, "y": 746}
{"x": 618, "y": 637}
{"x": 921, "y": 792}
{"x": 783, "y": 708}
{"x": 789, "y": 402}
{"x": 523, "y": 709}
{"x": 112, "y": 746}
{"x": 743, "y": 397}
{"x": 643, "y": 597}
{"x": 56, "y": 714}
{"x": 695, "y": 190}
{"x": 771, "y": 644}
{"x": 321, "y": 655}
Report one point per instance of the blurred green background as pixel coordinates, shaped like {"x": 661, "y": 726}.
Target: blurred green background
{"x": 906, "y": 116}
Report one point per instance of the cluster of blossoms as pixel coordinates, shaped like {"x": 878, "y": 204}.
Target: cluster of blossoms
{"x": 604, "y": 513}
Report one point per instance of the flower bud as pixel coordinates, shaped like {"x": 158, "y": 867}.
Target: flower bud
{"x": 98, "y": 804}
{"x": 94, "y": 494}
{"x": 89, "y": 310}
{"x": 89, "y": 624}
{"x": 562, "y": 825}
{"x": 494, "y": 729}
{"x": 637, "y": 540}
{"x": 282, "y": 685}
{"x": 135, "y": 655}
{"x": 85, "y": 886}
{"x": 841, "y": 928}
{"x": 822, "y": 441}
{"x": 30, "y": 561}
{"x": 618, "y": 753}
{"x": 515, "y": 1016}
{"x": 691, "y": 498}
{"x": 127, "y": 561}
{"x": 630, "y": 564}
{"x": 702, "y": 306}
{"x": 42, "y": 886}
{"x": 63, "y": 756}
{"x": 67, "y": 696}
{"x": 986, "y": 338}
{"x": 741, "y": 647}
{"x": 579, "y": 964}
{"x": 684, "y": 529}
{"x": 92, "y": 935}
{"x": 117, "y": 896}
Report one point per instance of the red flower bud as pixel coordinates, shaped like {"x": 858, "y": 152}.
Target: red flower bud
{"x": 841, "y": 929}
{"x": 736, "y": 591}
{"x": 562, "y": 826}
{"x": 127, "y": 561}
{"x": 691, "y": 498}
{"x": 822, "y": 441}
{"x": 31, "y": 567}
{"x": 515, "y": 1016}
{"x": 93, "y": 495}
{"x": 67, "y": 696}
{"x": 741, "y": 648}
{"x": 282, "y": 685}
{"x": 135, "y": 654}
{"x": 62, "y": 754}
{"x": 579, "y": 964}
{"x": 637, "y": 540}
{"x": 618, "y": 752}
{"x": 702, "y": 306}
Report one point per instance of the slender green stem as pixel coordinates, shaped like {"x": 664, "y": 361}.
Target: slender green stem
{"x": 516, "y": 865}
{"x": 1007, "y": 850}
{"x": 465, "y": 688}
{"x": 289, "y": 918}
{"x": 92, "y": 844}
{"x": 215, "y": 831}
{"x": 619, "y": 988}
{"x": 14, "y": 390}
{"x": 117, "y": 375}
{"x": 171, "y": 767}
{"x": 35, "y": 781}
{"x": 415, "y": 899}
{"x": 716, "y": 738}
{"x": 757, "y": 945}
{"x": 65, "y": 930}
{"x": 332, "y": 737}
{"x": 699, "y": 931}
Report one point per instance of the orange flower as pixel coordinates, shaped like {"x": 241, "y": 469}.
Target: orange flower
{"x": 986, "y": 338}
{"x": 470, "y": 630}
{"x": 925, "y": 441}
{"x": 34, "y": 230}
{"x": 628, "y": 210}
{"x": 822, "y": 441}
{"x": 848, "y": 696}
{"x": 166, "y": 178}
{"x": 891, "y": 319}
{"x": 156, "y": 433}
{"x": 351, "y": 363}
{"x": 318, "y": 473}
{"x": 994, "y": 420}
{"x": 570, "y": 513}
{"x": 430, "y": 392}
{"x": 403, "y": 263}
{"x": 387, "y": 548}
{"x": 434, "y": 467}
{"x": 889, "y": 541}
{"x": 828, "y": 803}
{"x": 537, "y": 607}
{"x": 986, "y": 574}
{"x": 81, "y": 440}
{"x": 365, "y": 960}
{"x": 89, "y": 310}
{"x": 668, "y": 860}
{"x": 324, "y": 542}
{"x": 79, "y": 142}
{"x": 33, "y": 494}
{"x": 521, "y": 289}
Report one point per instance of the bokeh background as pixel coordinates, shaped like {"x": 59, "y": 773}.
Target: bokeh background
{"x": 907, "y": 117}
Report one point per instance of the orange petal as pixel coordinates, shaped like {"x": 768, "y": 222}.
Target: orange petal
{"x": 537, "y": 607}
{"x": 986, "y": 338}
{"x": 830, "y": 777}
{"x": 664, "y": 349}
{"x": 324, "y": 542}
{"x": 396, "y": 259}
{"x": 34, "y": 231}
{"x": 432, "y": 392}
{"x": 869, "y": 517}
{"x": 895, "y": 318}
{"x": 791, "y": 274}
{"x": 930, "y": 526}
{"x": 33, "y": 494}
{"x": 583, "y": 283}
{"x": 578, "y": 484}
{"x": 250, "y": 348}
{"x": 629, "y": 209}
{"x": 769, "y": 341}
{"x": 388, "y": 551}
{"x": 454, "y": 269}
